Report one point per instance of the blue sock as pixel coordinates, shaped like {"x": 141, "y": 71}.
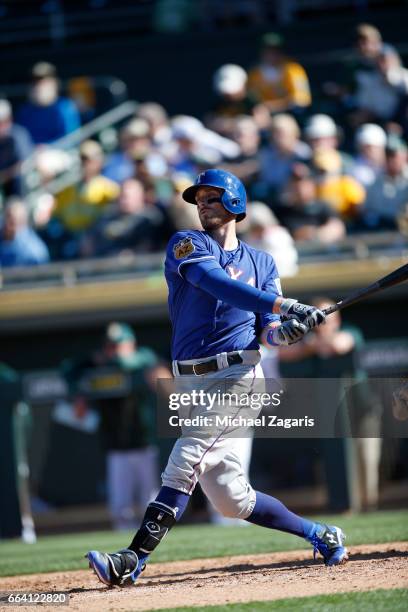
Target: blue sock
{"x": 270, "y": 512}
{"x": 171, "y": 497}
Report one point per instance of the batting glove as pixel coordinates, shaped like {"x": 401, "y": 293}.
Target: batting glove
{"x": 287, "y": 333}
{"x": 308, "y": 315}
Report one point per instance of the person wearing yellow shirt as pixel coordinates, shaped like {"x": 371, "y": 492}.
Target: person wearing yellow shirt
{"x": 78, "y": 206}
{"x": 278, "y": 81}
{"x": 342, "y": 191}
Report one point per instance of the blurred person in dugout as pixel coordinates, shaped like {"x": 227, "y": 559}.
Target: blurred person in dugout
{"x": 127, "y": 420}
{"x": 157, "y": 118}
{"x": 323, "y": 135}
{"x": 278, "y": 81}
{"x": 245, "y": 166}
{"x": 341, "y": 190}
{"x": 129, "y": 225}
{"x": 15, "y": 147}
{"x": 47, "y": 115}
{"x": 232, "y": 100}
{"x": 369, "y": 162}
{"x": 388, "y": 196}
{"x": 354, "y": 82}
{"x": 332, "y": 168}
{"x": 375, "y": 82}
{"x": 20, "y": 245}
{"x": 262, "y": 230}
{"x": 134, "y": 143}
{"x": 277, "y": 157}
{"x": 304, "y": 214}
{"x": 385, "y": 98}
{"x": 195, "y": 147}
{"x": 331, "y": 351}
{"x": 79, "y": 206}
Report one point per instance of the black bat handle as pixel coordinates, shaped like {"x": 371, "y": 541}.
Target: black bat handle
{"x": 394, "y": 278}
{"x": 331, "y": 309}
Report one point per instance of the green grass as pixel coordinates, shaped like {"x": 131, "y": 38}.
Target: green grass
{"x": 394, "y": 600}
{"x": 66, "y": 552}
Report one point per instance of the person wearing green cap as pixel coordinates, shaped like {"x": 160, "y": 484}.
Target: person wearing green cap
{"x": 118, "y": 381}
{"x": 388, "y": 195}
{"x": 278, "y": 81}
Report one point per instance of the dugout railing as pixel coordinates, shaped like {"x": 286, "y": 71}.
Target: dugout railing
{"x": 359, "y": 247}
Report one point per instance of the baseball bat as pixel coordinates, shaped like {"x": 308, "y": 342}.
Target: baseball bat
{"x": 394, "y": 278}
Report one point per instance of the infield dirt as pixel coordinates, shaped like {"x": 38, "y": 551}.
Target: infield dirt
{"x": 226, "y": 580}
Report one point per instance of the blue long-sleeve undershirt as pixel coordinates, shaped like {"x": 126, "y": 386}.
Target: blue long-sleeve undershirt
{"x": 216, "y": 282}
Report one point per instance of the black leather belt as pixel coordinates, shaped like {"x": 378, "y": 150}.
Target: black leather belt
{"x": 204, "y": 367}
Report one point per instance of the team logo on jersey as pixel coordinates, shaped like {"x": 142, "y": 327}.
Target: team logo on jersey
{"x": 183, "y": 248}
{"x": 235, "y": 273}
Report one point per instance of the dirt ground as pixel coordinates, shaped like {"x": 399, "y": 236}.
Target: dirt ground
{"x": 226, "y": 580}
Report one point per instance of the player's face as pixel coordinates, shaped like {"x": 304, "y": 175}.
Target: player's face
{"x": 210, "y": 210}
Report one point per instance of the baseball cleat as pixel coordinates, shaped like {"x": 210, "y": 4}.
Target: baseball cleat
{"x": 116, "y": 569}
{"x": 328, "y": 541}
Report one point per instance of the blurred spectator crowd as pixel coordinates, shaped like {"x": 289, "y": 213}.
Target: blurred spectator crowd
{"x": 313, "y": 172}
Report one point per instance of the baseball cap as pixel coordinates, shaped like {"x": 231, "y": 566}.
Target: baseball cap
{"x": 42, "y": 70}
{"x": 186, "y": 127}
{"x": 5, "y": 110}
{"x": 371, "y": 134}
{"x": 152, "y": 112}
{"x": 90, "y": 149}
{"x": 320, "y": 126}
{"x": 137, "y": 128}
{"x": 209, "y": 143}
{"x": 119, "y": 332}
{"x": 229, "y": 79}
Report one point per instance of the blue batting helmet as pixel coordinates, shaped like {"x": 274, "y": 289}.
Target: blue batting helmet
{"x": 234, "y": 196}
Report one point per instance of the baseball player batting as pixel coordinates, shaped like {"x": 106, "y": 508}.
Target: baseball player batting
{"x": 221, "y": 293}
